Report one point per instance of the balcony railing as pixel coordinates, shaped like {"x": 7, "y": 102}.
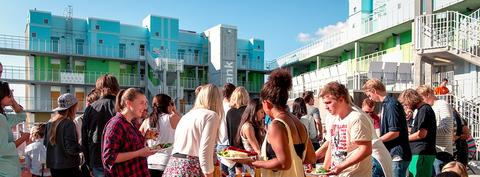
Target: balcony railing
{"x": 60, "y": 47}
{"x": 354, "y": 73}
{"x": 38, "y": 104}
{"x": 248, "y": 65}
{"x": 66, "y": 77}
{"x": 396, "y": 12}
{"x": 251, "y": 86}
{"x": 450, "y": 30}
{"x": 189, "y": 83}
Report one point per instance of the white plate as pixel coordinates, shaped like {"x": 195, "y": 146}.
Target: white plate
{"x": 237, "y": 158}
{"x": 316, "y": 174}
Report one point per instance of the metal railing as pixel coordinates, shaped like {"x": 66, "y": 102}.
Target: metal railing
{"x": 475, "y": 14}
{"x": 37, "y": 104}
{"x": 59, "y": 46}
{"x": 20, "y": 73}
{"x": 251, "y": 86}
{"x": 440, "y": 4}
{"x": 248, "y": 64}
{"x": 448, "y": 30}
{"x": 189, "y": 82}
{"x": 395, "y": 14}
{"x": 469, "y": 110}
{"x": 353, "y": 73}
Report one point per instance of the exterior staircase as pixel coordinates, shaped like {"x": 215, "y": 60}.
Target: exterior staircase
{"x": 449, "y": 35}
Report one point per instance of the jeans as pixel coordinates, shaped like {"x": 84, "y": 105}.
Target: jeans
{"x": 98, "y": 172}
{"x": 400, "y": 168}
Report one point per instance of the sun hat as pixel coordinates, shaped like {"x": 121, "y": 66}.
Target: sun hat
{"x": 65, "y": 101}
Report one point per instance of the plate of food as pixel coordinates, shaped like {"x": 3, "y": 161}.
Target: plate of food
{"x": 233, "y": 153}
{"x": 318, "y": 171}
{"x": 162, "y": 147}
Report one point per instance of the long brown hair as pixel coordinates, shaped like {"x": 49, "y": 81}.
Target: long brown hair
{"x": 4, "y": 92}
{"x": 59, "y": 117}
{"x": 250, "y": 116}
{"x": 160, "y": 105}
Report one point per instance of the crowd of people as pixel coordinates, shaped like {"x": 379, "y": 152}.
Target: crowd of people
{"x": 413, "y": 135}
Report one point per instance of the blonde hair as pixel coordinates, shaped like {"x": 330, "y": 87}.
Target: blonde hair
{"x": 410, "y": 98}
{"x": 374, "y": 84}
{"x": 210, "y": 98}
{"x": 456, "y": 165}
{"x": 425, "y": 91}
{"x": 239, "y": 97}
{"x": 59, "y": 117}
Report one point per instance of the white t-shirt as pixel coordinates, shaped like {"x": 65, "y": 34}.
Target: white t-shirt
{"x": 444, "y": 118}
{"x": 342, "y": 134}
{"x": 222, "y": 129}
{"x": 166, "y": 134}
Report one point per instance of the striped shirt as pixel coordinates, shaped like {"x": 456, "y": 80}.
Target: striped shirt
{"x": 443, "y": 115}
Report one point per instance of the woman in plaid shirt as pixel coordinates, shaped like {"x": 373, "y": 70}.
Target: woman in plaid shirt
{"x": 123, "y": 150}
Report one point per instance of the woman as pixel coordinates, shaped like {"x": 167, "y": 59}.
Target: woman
{"x": 164, "y": 119}
{"x": 61, "y": 140}
{"x": 238, "y": 103}
{"x": 287, "y": 145}
{"x": 299, "y": 109}
{"x": 195, "y": 136}
{"x": 9, "y": 163}
{"x": 123, "y": 150}
{"x": 251, "y": 131}
{"x": 422, "y": 134}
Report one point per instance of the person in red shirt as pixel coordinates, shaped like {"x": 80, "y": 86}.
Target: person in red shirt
{"x": 442, "y": 88}
{"x": 369, "y": 107}
{"x": 123, "y": 150}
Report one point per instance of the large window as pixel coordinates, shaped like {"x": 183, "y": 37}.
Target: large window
{"x": 79, "y": 46}
{"x": 55, "y": 45}
{"x": 122, "y": 50}
{"x": 142, "y": 50}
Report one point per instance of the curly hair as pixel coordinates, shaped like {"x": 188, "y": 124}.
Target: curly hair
{"x": 277, "y": 87}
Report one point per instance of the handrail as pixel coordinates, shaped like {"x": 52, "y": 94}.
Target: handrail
{"x": 475, "y": 14}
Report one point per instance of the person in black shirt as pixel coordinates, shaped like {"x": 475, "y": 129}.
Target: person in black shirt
{"x": 422, "y": 135}
{"x": 95, "y": 118}
{"x": 393, "y": 126}
{"x": 238, "y": 103}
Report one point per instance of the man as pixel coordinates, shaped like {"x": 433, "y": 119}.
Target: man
{"x": 315, "y": 113}
{"x": 349, "y": 135}
{"x": 444, "y": 118}
{"x": 442, "y": 88}
{"x": 95, "y": 118}
{"x": 222, "y": 141}
{"x": 393, "y": 126}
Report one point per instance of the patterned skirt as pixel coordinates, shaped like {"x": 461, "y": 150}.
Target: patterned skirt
{"x": 183, "y": 167}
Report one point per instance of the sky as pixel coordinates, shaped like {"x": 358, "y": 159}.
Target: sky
{"x": 283, "y": 25}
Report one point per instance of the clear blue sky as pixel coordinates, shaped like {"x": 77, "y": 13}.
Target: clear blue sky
{"x": 278, "y": 22}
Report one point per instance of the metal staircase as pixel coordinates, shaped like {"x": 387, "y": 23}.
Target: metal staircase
{"x": 449, "y": 35}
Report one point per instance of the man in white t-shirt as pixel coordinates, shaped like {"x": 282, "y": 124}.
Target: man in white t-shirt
{"x": 349, "y": 135}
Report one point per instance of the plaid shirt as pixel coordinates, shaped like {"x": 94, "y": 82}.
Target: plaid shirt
{"x": 122, "y": 136}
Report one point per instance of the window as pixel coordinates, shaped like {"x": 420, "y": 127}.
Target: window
{"x": 97, "y": 27}
{"x": 195, "y": 55}
{"x": 45, "y": 21}
{"x": 258, "y": 47}
{"x": 100, "y": 41}
{"x": 54, "y": 42}
{"x": 157, "y": 34}
{"x": 34, "y": 34}
{"x": 354, "y": 9}
{"x": 244, "y": 60}
{"x": 79, "y": 46}
{"x": 142, "y": 49}
{"x": 399, "y": 6}
{"x": 181, "y": 54}
{"x": 122, "y": 50}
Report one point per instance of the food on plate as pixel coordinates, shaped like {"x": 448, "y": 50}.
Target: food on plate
{"x": 321, "y": 170}
{"x": 235, "y": 153}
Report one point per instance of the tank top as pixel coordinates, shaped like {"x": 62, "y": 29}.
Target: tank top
{"x": 296, "y": 168}
{"x": 166, "y": 134}
{"x": 245, "y": 142}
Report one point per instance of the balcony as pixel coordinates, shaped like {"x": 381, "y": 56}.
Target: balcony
{"x": 251, "y": 87}
{"x": 37, "y": 104}
{"x": 16, "y": 44}
{"x": 26, "y": 74}
{"x": 246, "y": 64}
{"x": 189, "y": 83}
